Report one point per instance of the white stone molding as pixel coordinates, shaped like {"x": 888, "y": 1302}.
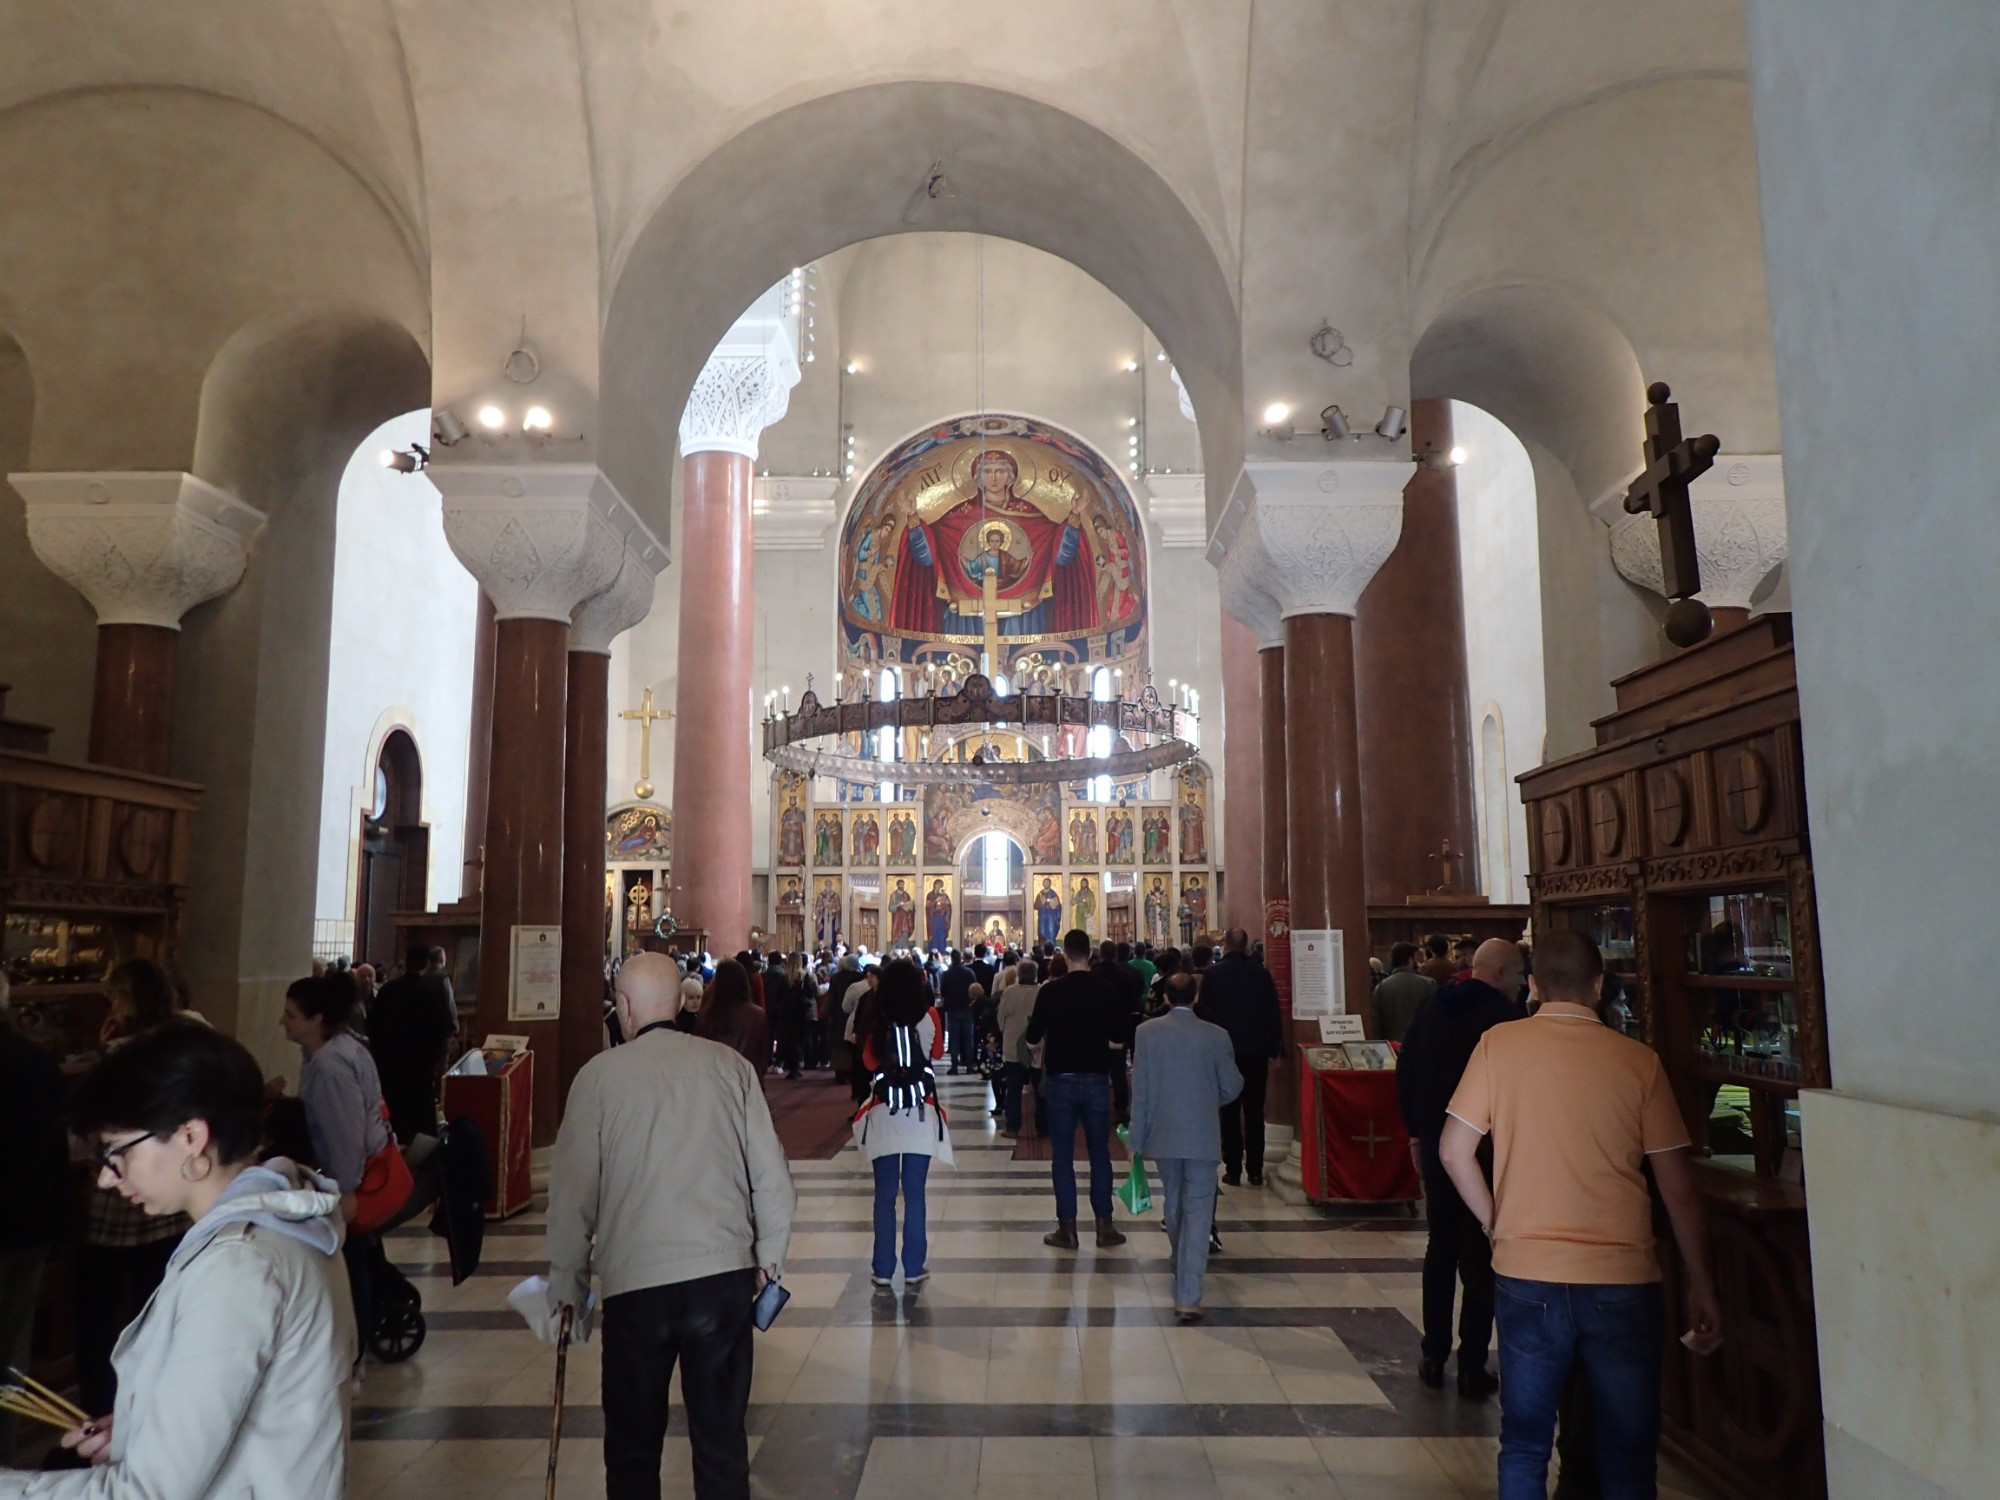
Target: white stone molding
{"x": 602, "y": 618}
{"x": 143, "y": 548}
{"x": 1739, "y": 530}
{"x": 1316, "y": 533}
{"x": 1177, "y": 505}
{"x": 792, "y": 511}
{"x": 745, "y": 387}
{"x": 540, "y": 538}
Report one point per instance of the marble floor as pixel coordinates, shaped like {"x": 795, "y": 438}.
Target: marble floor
{"x": 1018, "y": 1371}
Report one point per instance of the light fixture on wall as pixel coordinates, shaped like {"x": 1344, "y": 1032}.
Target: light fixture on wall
{"x": 445, "y": 426}
{"x": 536, "y": 419}
{"x": 1395, "y": 422}
{"x": 410, "y": 460}
{"x": 1433, "y": 457}
{"x": 492, "y": 418}
{"x": 1333, "y": 425}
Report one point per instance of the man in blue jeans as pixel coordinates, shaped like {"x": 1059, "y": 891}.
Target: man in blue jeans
{"x": 1576, "y": 1111}
{"x": 1080, "y": 1022}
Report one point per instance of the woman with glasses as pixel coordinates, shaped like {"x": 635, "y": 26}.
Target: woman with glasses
{"x": 233, "y": 1379}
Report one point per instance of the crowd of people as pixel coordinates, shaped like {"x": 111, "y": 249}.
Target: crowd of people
{"x": 235, "y": 1223}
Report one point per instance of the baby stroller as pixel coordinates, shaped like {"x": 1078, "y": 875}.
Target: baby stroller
{"x": 451, "y": 1173}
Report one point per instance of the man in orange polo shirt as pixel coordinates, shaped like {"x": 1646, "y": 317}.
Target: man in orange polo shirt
{"x": 1574, "y": 1110}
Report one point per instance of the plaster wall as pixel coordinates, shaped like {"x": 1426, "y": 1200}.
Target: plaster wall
{"x": 48, "y": 635}
{"x": 144, "y": 227}
{"x": 400, "y": 657}
{"x": 1500, "y": 560}
{"x": 1875, "y": 134}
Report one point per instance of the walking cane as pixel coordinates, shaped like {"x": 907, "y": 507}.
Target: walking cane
{"x": 555, "y": 1424}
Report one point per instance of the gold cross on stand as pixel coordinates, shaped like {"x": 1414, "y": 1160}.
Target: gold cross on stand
{"x": 645, "y": 713}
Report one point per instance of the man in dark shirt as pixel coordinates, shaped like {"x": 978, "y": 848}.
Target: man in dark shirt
{"x": 1437, "y": 966}
{"x": 410, "y": 1024}
{"x": 33, "y": 1190}
{"x": 1123, "y": 981}
{"x": 983, "y": 968}
{"x": 1081, "y": 1023}
{"x": 955, "y": 990}
{"x": 1240, "y": 996}
{"x": 1437, "y": 1047}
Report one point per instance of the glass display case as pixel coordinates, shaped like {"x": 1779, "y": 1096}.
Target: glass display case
{"x": 1609, "y": 926}
{"x": 1737, "y": 968}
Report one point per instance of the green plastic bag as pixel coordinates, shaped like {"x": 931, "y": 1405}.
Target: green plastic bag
{"x": 1135, "y": 1192}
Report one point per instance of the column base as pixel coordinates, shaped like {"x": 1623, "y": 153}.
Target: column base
{"x": 1287, "y": 1178}
{"x": 1278, "y": 1140}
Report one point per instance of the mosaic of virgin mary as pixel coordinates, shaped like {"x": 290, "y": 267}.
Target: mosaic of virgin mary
{"x": 993, "y": 512}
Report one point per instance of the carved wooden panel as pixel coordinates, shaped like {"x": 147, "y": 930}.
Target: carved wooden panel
{"x": 1670, "y": 801}
{"x": 53, "y": 833}
{"x": 1608, "y": 833}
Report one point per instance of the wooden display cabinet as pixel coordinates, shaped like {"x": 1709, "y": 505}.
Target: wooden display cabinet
{"x": 93, "y": 871}
{"x": 1679, "y": 844}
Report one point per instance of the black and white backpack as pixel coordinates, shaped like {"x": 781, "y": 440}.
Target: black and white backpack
{"x": 904, "y": 1082}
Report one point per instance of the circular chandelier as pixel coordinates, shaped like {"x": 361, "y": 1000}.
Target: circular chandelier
{"x": 807, "y": 739}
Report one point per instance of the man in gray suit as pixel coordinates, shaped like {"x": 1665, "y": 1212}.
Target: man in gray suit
{"x": 1183, "y": 1072}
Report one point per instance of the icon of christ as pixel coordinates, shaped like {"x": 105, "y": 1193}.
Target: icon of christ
{"x": 1046, "y": 584}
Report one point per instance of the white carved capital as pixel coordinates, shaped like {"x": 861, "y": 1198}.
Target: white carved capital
{"x": 1316, "y": 533}
{"x": 1739, "y": 530}
{"x": 1246, "y": 603}
{"x": 602, "y": 618}
{"x": 143, "y": 548}
{"x": 792, "y": 511}
{"x": 1177, "y": 505}
{"x": 745, "y": 387}
{"x": 540, "y": 538}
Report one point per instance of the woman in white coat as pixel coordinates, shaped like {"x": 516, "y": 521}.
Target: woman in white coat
{"x": 233, "y": 1380}
{"x": 901, "y": 1127}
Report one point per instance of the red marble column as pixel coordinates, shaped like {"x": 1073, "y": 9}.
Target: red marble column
{"x": 1328, "y": 888}
{"x": 1415, "y": 720}
{"x": 478, "y": 750}
{"x": 132, "y": 707}
{"x": 1281, "y": 1103}
{"x": 1242, "y": 780}
{"x": 524, "y": 831}
{"x": 711, "y": 801}
{"x": 581, "y": 1023}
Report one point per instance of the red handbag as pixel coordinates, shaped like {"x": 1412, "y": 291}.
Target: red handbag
{"x": 386, "y": 1185}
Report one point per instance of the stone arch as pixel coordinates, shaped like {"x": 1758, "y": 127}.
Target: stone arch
{"x": 1564, "y": 378}
{"x": 851, "y": 166}
{"x": 283, "y": 406}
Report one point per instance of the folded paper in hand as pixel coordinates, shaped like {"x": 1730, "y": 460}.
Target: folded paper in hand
{"x": 531, "y": 1300}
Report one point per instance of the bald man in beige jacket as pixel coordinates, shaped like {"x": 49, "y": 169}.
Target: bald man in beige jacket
{"x": 669, "y": 1182}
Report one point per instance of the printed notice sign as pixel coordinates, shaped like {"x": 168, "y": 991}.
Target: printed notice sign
{"x": 534, "y": 979}
{"x": 1340, "y": 1029}
{"x": 1317, "y": 985}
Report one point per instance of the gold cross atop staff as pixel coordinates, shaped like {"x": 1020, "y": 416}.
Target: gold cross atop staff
{"x": 645, "y": 713}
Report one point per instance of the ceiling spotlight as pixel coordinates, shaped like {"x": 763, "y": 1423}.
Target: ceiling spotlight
{"x": 1276, "y": 412}
{"x": 1394, "y": 423}
{"x": 1131, "y": 365}
{"x": 537, "y": 420}
{"x": 1457, "y": 455}
{"x": 1333, "y": 425}
{"x": 1131, "y": 421}
{"x": 446, "y": 426}
{"x": 1161, "y": 356}
{"x": 390, "y": 457}
{"x": 492, "y": 418}
{"x": 853, "y": 368}
{"x": 406, "y": 461}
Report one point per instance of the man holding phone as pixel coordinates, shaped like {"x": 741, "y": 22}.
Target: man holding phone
{"x": 669, "y": 1182}
{"x": 1575, "y": 1110}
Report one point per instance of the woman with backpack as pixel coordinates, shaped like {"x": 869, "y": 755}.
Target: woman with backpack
{"x": 901, "y": 1126}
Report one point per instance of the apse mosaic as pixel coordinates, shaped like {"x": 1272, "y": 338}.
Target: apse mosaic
{"x": 1001, "y": 518}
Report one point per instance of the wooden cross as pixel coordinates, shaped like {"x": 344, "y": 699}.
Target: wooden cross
{"x": 1661, "y": 491}
{"x": 1446, "y": 867}
{"x": 645, "y": 713}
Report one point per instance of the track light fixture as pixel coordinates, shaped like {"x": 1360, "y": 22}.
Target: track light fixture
{"x": 1395, "y": 422}
{"x": 446, "y": 427}
{"x": 409, "y": 460}
{"x": 1333, "y": 425}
